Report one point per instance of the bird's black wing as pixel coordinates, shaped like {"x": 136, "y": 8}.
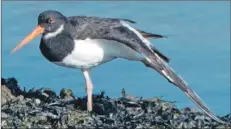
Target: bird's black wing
{"x": 162, "y": 56}
{"x": 125, "y": 34}
{"x": 107, "y": 28}
{"x": 143, "y": 47}
{"x": 76, "y": 19}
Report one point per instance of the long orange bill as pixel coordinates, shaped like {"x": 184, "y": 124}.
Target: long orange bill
{"x": 38, "y": 30}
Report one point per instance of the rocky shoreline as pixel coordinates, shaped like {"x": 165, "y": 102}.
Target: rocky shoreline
{"x": 42, "y": 108}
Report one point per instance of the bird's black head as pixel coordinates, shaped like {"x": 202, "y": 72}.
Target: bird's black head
{"x": 51, "y": 20}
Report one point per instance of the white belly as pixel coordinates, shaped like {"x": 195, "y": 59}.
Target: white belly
{"x": 90, "y": 53}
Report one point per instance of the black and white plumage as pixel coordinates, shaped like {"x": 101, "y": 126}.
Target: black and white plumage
{"x": 106, "y": 33}
{"x": 86, "y": 42}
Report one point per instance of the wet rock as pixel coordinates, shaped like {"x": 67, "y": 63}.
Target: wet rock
{"x": 42, "y": 108}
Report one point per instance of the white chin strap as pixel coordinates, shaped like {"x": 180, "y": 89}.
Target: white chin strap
{"x": 54, "y": 34}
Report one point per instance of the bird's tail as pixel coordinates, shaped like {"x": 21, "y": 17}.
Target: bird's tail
{"x": 159, "y": 65}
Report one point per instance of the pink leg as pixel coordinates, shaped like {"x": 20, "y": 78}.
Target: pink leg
{"x": 89, "y": 88}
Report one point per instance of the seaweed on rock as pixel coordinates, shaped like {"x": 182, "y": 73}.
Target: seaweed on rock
{"x": 42, "y": 108}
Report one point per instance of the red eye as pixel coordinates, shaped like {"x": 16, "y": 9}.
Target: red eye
{"x": 50, "y": 20}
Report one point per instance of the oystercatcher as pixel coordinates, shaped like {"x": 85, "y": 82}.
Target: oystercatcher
{"x": 85, "y": 42}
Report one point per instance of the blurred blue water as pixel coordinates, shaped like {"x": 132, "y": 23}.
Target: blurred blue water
{"x": 198, "y": 45}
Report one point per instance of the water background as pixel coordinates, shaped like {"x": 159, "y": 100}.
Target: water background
{"x": 198, "y": 46}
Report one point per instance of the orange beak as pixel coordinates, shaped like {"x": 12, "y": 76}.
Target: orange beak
{"x": 37, "y": 31}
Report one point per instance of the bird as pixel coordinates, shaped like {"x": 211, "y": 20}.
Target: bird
{"x": 85, "y": 42}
